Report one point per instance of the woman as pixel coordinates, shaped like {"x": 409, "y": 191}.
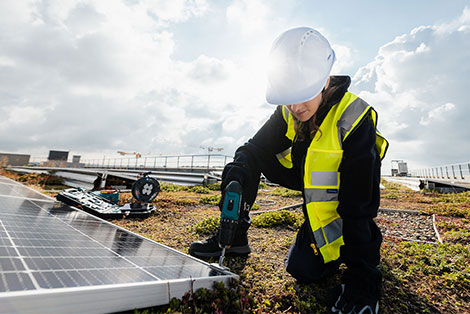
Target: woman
{"x": 323, "y": 141}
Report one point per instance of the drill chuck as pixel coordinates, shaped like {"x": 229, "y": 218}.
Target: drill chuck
{"x": 228, "y": 227}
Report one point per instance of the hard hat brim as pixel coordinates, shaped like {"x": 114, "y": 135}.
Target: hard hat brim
{"x": 277, "y": 95}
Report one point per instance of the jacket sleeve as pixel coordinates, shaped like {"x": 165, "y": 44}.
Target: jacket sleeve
{"x": 258, "y": 156}
{"x": 359, "y": 199}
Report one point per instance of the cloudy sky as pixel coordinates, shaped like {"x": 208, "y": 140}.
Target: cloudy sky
{"x": 168, "y": 76}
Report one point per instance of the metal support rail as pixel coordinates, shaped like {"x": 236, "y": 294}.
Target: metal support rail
{"x": 86, "y": 177}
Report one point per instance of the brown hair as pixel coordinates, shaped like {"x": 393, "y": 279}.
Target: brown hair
{"x": 311, "y": 127}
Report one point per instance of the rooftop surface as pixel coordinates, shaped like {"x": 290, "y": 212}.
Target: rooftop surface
{"x": 420, "y": 275}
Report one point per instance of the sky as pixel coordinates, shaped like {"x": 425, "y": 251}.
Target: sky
{"x": 166, "y": 77}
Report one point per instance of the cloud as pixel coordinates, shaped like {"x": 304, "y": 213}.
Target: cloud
{"x": 206, "y": 69}
{"x": 176, "y": 10}
{"x": 97, "y": 76}
{"x": 344, "y": 58}
{"x": 100, "y": 76}
{"x": 418, "y": 83}
{"x": 437, "y": 114}
{"x": 251, "y": 15}
{"x": 76, "y": 74}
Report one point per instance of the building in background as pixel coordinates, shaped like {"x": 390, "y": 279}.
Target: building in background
{"x": 57, "y": 158}
{"x": 76, "y": 161}
{"x": 7, "y": 159}
{"x": 58, "y": 155}
{"x": 399, "y": 168}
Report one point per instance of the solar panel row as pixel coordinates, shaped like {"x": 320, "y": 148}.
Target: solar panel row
{"x": 46, "y": 247}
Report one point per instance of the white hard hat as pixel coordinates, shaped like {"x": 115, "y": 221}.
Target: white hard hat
{"x": 300, "y": 64}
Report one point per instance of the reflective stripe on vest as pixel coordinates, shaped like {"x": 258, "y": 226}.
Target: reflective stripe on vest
{"x": 332, "y": 232}
{"x": 320, "y": 195}
{"x": 352, "y": 116}
{"x": 324, "y": 178}
{"x": 321, "y": 175}
{"x": 285, "y": 158}
{"x": 290, "y": 133}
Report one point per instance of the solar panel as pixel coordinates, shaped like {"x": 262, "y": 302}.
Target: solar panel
{"x": 56, "y": 258}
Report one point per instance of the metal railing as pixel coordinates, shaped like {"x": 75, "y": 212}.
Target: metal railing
{"x": 458, "y": 172}
{"x": 189, "y": 162}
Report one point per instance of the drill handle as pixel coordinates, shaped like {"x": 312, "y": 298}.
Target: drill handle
{"x": 230, "y": 214}
{"x": 232, "y": 199}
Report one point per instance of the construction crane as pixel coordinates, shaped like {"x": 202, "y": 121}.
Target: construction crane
{"x": 211, "y": 149}
{"x": 137, "y": 155}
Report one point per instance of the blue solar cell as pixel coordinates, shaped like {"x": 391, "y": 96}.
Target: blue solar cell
{"x": 17, "y": 281}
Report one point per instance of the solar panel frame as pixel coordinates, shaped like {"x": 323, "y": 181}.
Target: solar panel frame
{"x": 46, "y": 289}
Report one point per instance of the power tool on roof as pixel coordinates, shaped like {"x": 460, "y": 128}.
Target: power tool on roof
{"x": 229, "y": 216}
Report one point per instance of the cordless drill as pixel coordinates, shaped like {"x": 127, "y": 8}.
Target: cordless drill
{"x": 229, "y": 216}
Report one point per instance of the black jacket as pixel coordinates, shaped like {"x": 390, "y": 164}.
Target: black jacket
{"x": 359, "y": 193}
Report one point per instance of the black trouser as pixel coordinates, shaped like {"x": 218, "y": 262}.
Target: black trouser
{"x": 303, "y": 263}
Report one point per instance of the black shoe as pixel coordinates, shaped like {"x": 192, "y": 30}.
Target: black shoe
{"x": 210, "y": 247}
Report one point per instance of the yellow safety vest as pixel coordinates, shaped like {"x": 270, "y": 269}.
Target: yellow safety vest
{"x": 321, "y": 175}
